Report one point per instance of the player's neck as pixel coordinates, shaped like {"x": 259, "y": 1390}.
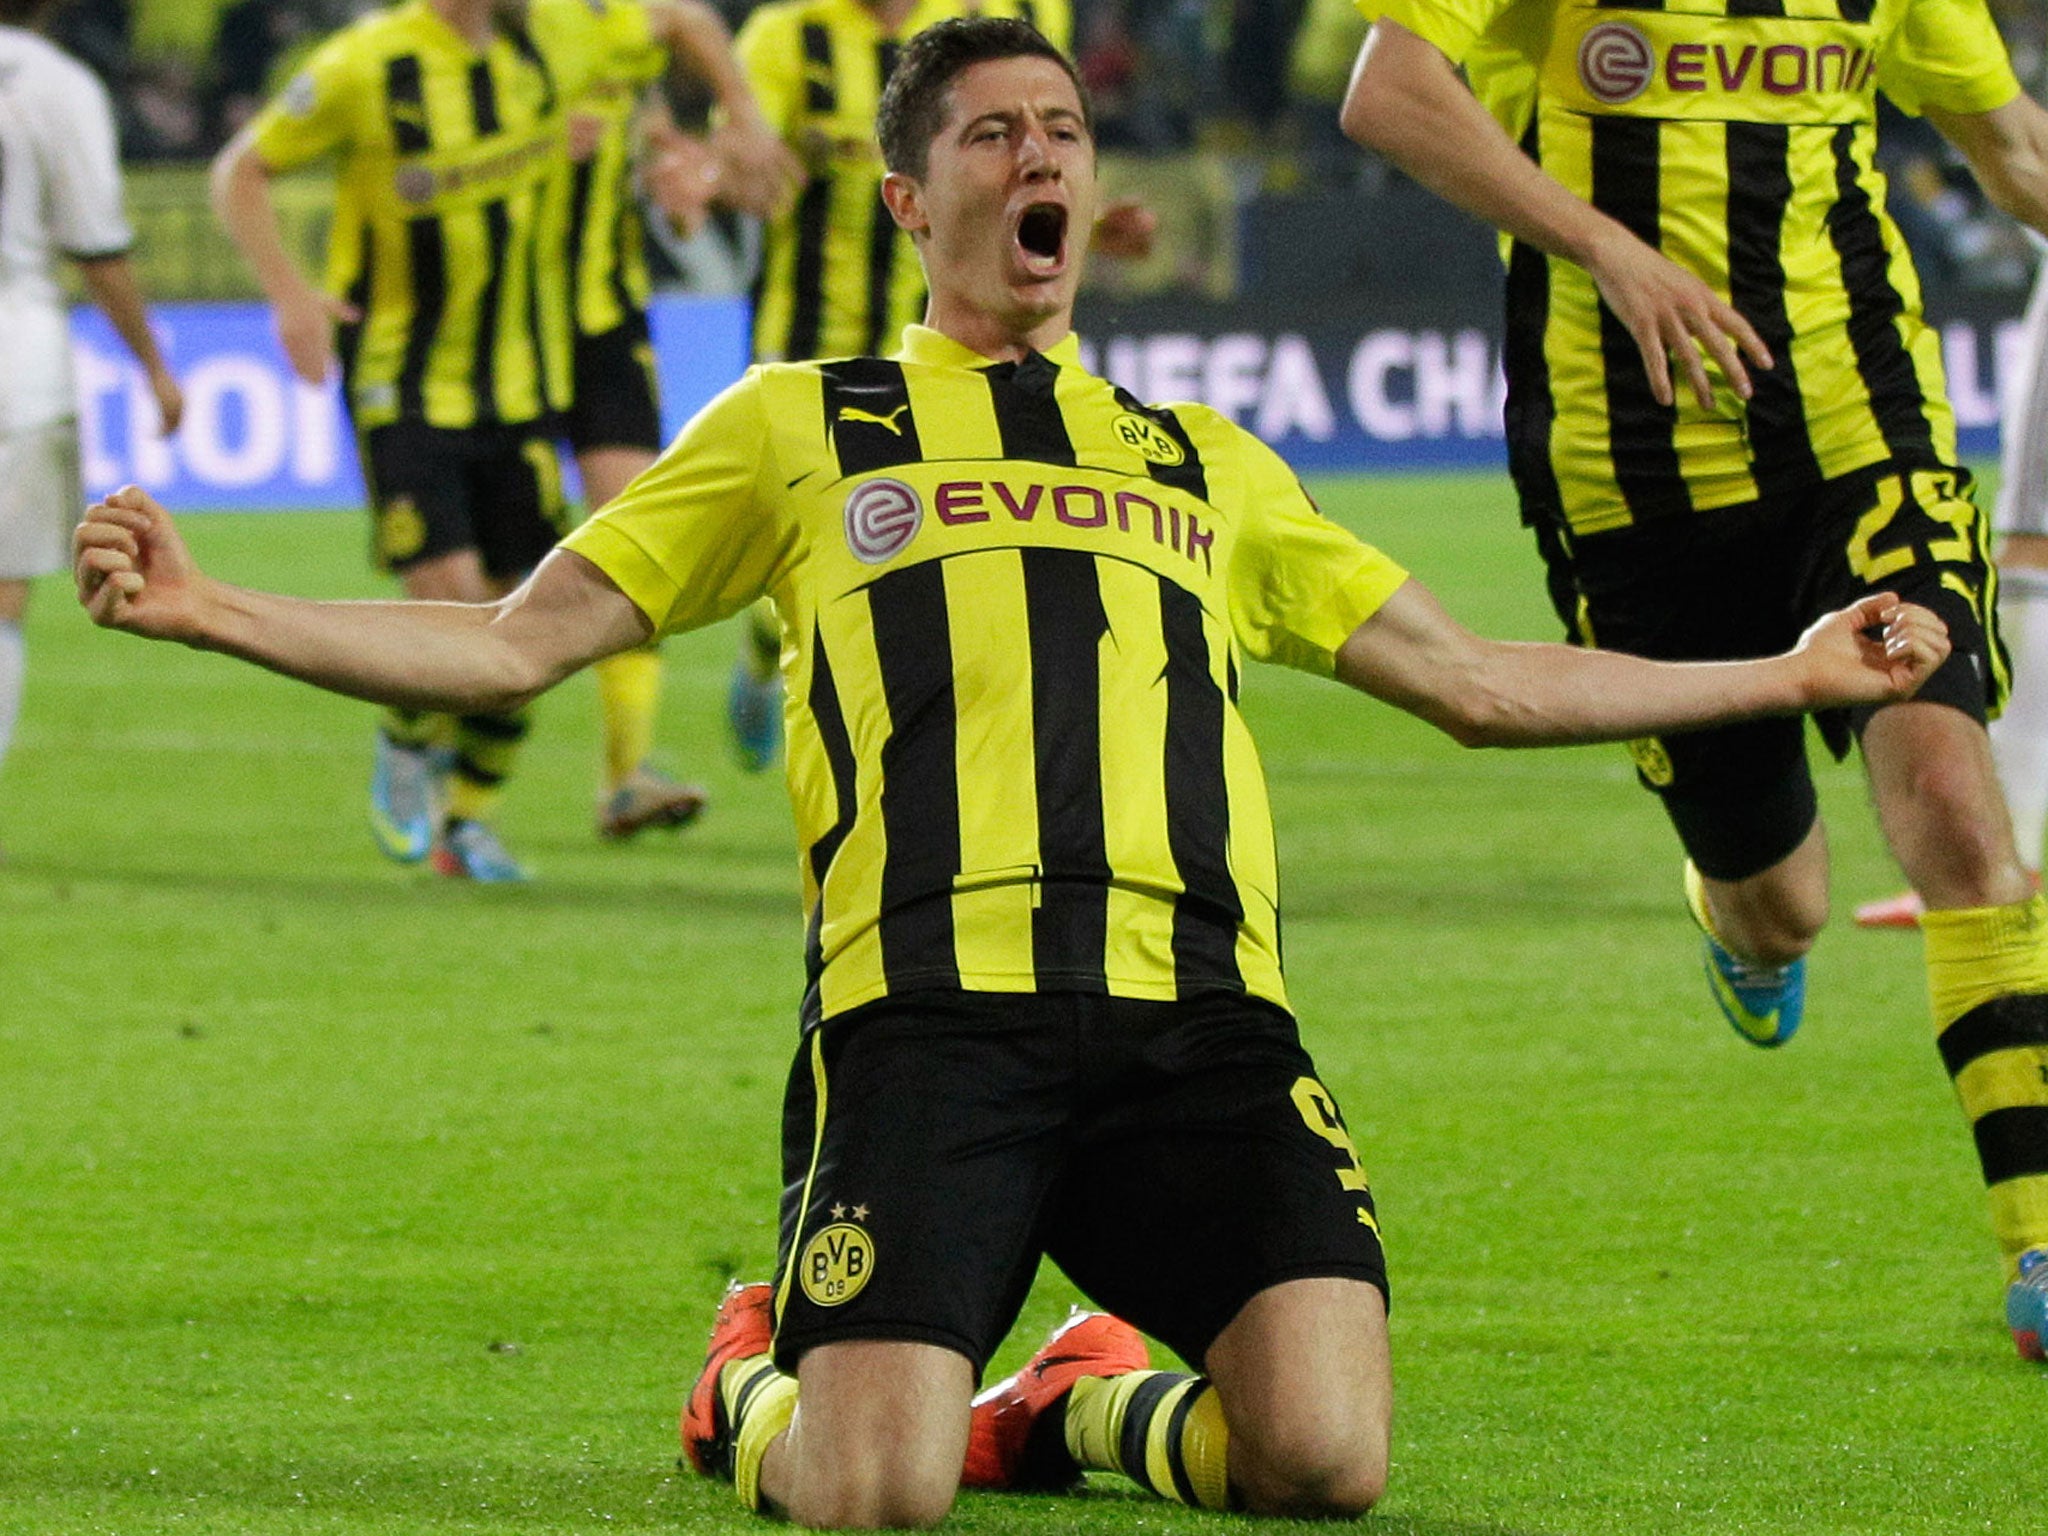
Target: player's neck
{"x": 995, "y": 337}
{"x": 474, "y": 21}
{"x": 890, "y": 13}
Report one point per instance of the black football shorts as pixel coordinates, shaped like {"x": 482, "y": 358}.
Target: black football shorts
{"x": 616, "y": 404}
{"x": 1174, "y": 1159}
{"x": 435, "y": 490}
{"x": 1736, "y": 582}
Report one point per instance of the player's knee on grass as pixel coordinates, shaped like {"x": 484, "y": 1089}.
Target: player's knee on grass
{"x": 898, "y": 1486}
{"x": 1312, "y": 1463}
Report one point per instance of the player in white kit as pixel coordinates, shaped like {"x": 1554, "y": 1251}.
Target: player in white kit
{"x": 60, "y": 195}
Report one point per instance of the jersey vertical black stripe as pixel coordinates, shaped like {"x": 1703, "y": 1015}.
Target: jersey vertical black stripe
{"x": 821, "y": 94}
{"x": 1027, "y": 411}
{"x": 831, "y": 721}
{"x": 807, "y": 284}
{"x": 405, "y": 105}
{"x": 483, "y": 98}
{"x": 483, "y": 368}
{"x": 1858, "y": 11}
{"x": 868, "y": 416}
{"x": 1066, "y": 622}
{"x": 1874, "y": 308}
{"x": 1531, "y": 409}
{"x": 1626, "y": 178}
{"x": 582, "y": 184}
{"x": 1207, "y": 912}
{"x": 813, "y": 208}
{"x": 1759, "y": 192}
{"x": 427, "y": 268}
{"x": 920, "y": 776}
{"x": 882, "y": 241}
{"x": 348, "y": 336}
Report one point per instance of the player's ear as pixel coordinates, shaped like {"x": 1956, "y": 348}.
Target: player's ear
{"x": 904, "y": 198}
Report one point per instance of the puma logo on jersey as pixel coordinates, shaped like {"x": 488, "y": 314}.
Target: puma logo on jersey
{"x": 855, "y": 413}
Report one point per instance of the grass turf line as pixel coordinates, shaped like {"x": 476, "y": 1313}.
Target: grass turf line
{"x": 337, "y": 1199}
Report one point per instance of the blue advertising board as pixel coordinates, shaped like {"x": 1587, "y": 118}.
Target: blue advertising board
{"x": 1329, "y": 395}
{"x": 257, "y": 439}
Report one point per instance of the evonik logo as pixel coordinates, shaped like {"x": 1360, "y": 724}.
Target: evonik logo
{"x": 1617, "y": 63}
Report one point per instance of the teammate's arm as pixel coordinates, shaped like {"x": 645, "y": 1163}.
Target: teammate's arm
{"x": 110, "y": 283}
{"x": 135, "y": 574}
{"x": 1407, "y": 102}
{"x": 1482, "y": 692}
{"x": 305, "y": 314}
{"x": 2007, "y": 148}
{"x": 757, "y": 171}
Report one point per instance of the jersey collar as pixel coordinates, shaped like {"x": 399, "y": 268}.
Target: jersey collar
{"x": 922, "y": 344}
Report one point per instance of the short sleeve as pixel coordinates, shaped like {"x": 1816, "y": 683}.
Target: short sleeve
{"x": 1946, "y": 54}
{"x": 77, "y": 149}
{"x": 1299, "y": 584}
{"x": 692, "y": 541}
{"x": 767, "y": 50}
{"x": 310, "y": 118}
{"x": 1452, "y": 25}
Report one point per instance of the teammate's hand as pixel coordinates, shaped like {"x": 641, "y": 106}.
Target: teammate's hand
{"x": 682, "y": 177}
{"x": 586, "y": 132}
{"x": 305, "y": 326}
{"x": 170, "y": 401}
{"x": 758, "y": 172}
{"x": 1673, "y": 314}
{"x": 1126, "y": 229}
{"x": 133, "y": 570}
{"x": 1875, "y": 651}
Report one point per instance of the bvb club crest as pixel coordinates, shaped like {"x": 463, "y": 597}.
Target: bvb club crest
{"x": 1152, "y": 442}
{"x": 836, "y": 1264}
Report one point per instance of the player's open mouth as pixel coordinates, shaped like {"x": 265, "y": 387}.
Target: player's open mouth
{"x": 1042, "y": 239}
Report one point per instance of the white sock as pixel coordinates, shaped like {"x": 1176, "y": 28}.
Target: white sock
{"x": 13, "y": 666}
{"x": 2019, "y": 737}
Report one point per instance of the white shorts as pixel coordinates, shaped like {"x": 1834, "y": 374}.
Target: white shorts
{"x": 2023, "y": 455}
{"x": 41, "y": 499}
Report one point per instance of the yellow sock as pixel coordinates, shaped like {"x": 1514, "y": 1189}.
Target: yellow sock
{"x": 1987, "y": 980}
{"x": 1162, "y": 1429}
{"x": 629, "y": 691}
{"x": 415, "y": 727}
{"x": 759, "y": 1403}
{"x": 486, "y": 746}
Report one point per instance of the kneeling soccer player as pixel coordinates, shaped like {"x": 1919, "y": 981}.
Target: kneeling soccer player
{"x": 1045, "y": 1011}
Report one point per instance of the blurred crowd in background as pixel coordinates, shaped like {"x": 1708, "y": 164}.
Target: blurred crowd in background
{"x": 1254, "y": 80}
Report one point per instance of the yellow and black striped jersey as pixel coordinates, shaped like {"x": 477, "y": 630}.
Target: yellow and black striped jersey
{"x": 1014, "y": 602}
{"x": 1739, "y": 137}
{"x": 452, "y": 171}
{"x": 608, "y": 279}
{"x": 837, "y": 277}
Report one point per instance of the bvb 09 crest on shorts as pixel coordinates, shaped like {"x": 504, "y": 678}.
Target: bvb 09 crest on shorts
{"x": 836, "y": 1264}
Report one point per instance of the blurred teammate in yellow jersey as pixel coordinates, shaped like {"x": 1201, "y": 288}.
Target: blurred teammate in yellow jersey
{"x": 447, "y": 300}
{"x": 1726, "y": 414}
{"x": 1046, "y": 1011}
{"x": 620, "y": 130}
{"x": 838, "y": 279}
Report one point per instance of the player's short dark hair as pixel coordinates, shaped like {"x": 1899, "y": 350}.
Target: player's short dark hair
{"x": 913, "y": 108}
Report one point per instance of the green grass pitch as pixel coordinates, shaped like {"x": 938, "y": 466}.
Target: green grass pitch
{"x": 336, "y": 1199}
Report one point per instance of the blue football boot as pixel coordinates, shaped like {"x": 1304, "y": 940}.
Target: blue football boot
{"x": 1763, "y": 1002}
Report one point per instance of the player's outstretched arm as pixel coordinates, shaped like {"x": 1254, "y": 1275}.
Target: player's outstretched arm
{"x": 1498, "y": 693}
{"x": 1407, "y": 102}
{"x": 134, "y": 573}
{"x": 2008, "y": 153}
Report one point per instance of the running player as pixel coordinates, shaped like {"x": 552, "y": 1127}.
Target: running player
{"x": 1045, "y": 1006}
{"x": 614, "y": 424}
{"x": 1692, "y": 192}
{"x": 60, "y": 195}
{"x": 446, "y": 121}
